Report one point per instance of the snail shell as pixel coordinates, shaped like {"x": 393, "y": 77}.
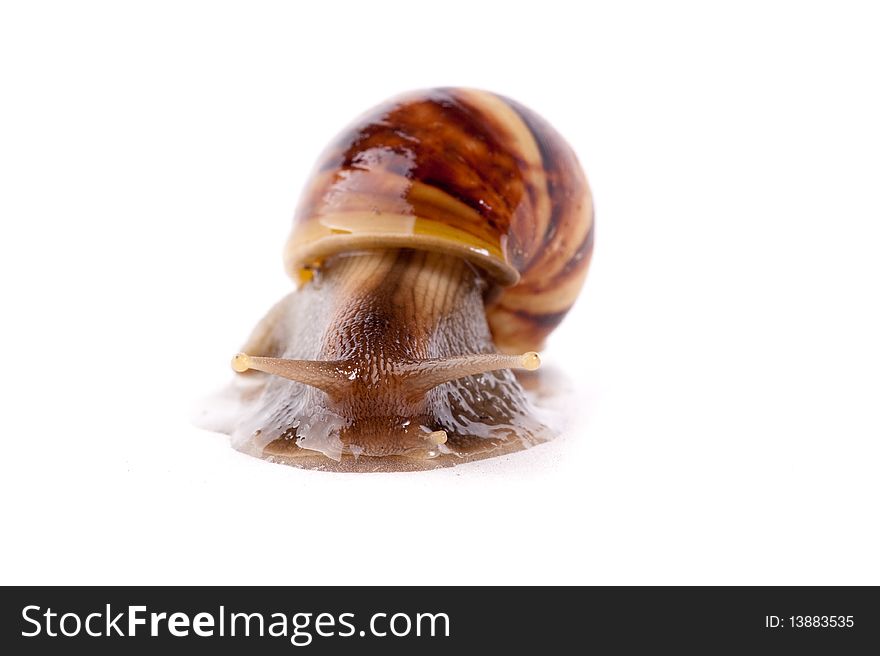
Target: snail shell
{"x": 465, "y": 172}
{"x": 442, "y": 232}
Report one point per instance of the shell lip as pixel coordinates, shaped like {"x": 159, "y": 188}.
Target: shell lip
{"x": 299, "y": 256}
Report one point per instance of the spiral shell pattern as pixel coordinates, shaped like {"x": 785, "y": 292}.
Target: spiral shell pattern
{"x": 465, "y": 172}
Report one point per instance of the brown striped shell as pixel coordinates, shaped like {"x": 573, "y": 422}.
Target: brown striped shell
{"x": 465, "y": 172}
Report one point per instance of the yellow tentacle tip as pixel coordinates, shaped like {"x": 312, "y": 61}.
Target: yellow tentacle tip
{"x": 531, "y": 361}
{"x": 241, "y": 362}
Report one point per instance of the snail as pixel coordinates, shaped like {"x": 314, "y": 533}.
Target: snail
{"x": 440, "y": 239}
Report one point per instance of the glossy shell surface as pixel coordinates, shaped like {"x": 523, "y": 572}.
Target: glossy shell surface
{"x": 465, "y": 172}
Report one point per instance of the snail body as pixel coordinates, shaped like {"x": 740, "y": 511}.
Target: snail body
{"x": 440, "y": 239}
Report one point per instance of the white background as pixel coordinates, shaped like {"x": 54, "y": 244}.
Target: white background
{"x": 725, "y": 348}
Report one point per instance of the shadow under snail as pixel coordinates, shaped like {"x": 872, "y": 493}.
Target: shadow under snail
{"x": 440, "y": 239}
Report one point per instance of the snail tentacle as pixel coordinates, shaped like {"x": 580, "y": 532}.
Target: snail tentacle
{"x": 416, "y": 378}
{"x": 420, "y": 377}
{"x": 329, "y": 377}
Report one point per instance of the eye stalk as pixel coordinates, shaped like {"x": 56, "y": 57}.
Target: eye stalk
{"x": 415, "y": 378}
{"x": 330, "y": 377}
{"x": 420, "y": 377}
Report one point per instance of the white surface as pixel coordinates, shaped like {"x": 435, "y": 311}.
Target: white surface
{"x": 725, "y": 347}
